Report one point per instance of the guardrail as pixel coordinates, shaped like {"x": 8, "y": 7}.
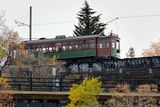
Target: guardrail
{"x": 64, "y": 84}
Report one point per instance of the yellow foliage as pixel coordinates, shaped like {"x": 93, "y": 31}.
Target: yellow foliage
{"x": 21, "y": 46}
{"x": 5, "y": 96}
{"x": 6, "y": 42}
{"x": 85, "y": 94}
{"x": 52, "y": 61}
{"x": 3, "y": 83}
{"x": 3, "y": 53}
{"x": 3, "y": 48}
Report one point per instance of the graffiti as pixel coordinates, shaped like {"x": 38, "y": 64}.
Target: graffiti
{"x": 146, "y": 62}
{"x": 96, "y": 67}
{"x": 149, "y": 62}
{"x": 156, "y": 62}
{"x": 73, "y": 68}
{"x": 84, "y": 67}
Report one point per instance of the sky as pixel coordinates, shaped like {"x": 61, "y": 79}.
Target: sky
{"x": 138, "y": 24}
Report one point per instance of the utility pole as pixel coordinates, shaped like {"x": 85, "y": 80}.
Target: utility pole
{"x": 30, "y": 38}
{"x": 30, "y": 24}
{"x": 0, "y": 71}
{"x": 110, "y": 44}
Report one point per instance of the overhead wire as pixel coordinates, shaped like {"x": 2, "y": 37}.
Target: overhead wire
{"x": 63, "y": 22}
{"x": 22, "y": 17}
{"x": 54, "y": 23}
{"x": 139, "y": 16}
{"x": 129, "y": 17}
{"x": 121, "y": 17}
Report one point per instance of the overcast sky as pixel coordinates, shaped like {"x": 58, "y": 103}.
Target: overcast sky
{"x": 138, "y": 24}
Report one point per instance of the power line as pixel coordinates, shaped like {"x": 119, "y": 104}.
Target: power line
{"x": 22, "y": 17}
{"x": 65, "y": 22}
{"x": 41, "y": 24}
{"x": 139, "y": 16}
{"x": 54, "y": 23}
{"x": 122, "y": 17}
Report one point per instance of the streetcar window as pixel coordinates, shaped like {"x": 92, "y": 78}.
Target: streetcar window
{"x": 84, "y": 46}
{"x": 57, "y": 49}
{"x": 64, "y": 48}
{"x": 100, "y": 45}
{"x": 70, "y": 47}
{"x": 118, "y": 44}
{"x": 44, "y": 49}
{"x": 91, "y": 45}
{"x": 107, "y": 45}
{"x": 53, "y": 49}
{"x": 50, "y": 49}
{"x": 76, "y": 46}
{"x": 113, "y": 45}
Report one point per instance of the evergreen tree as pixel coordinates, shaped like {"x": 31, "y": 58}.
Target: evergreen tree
{"x": 131, "y": 53}
{"x": 88, "y": 24}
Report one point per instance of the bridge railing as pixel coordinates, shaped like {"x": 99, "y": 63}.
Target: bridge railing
{"x": 64, "y": 84}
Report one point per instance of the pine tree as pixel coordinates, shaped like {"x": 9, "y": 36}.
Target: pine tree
{"x": 88, "y": 23}
{"x": 131, "y": 53}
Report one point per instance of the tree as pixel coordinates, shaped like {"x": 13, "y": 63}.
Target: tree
{"x": 25, "y": 63}
{"x": 154, "y": 50}
{"x": 6, "y": 40}
{"x": 3, "y": 33}
{"x": 131, "y": 53}
{"x": 127, "y": 100}
{"x": 88, "y": 24}
{"x": 147, "y": 101}
{"x": 85, "y": 94}
{"x": 121, "y": 101}
{"x": 5, "y": 97}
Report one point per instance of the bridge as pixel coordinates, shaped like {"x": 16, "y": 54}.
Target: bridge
{"x": 46, "y": 92}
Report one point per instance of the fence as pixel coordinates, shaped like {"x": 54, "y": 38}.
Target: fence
{"x": 65, "y": 81}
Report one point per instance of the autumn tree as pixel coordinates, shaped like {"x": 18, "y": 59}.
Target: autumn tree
{"x": 23, "y": 61}
{"x": 5, "y": 42}
{"x": 149, "y": 90}
{"x": 8, "y": 39}
{"x": 124, "y": 97}
{"x": 85, "y": 94}
{"x": 121, "y": 101}
{"x": 154, "y": 50}
{"x": 26, "y": 64}
{"x": 4, "y": 32}
{"x": 89, "y": 24}
{"x": 5, "y": 96}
